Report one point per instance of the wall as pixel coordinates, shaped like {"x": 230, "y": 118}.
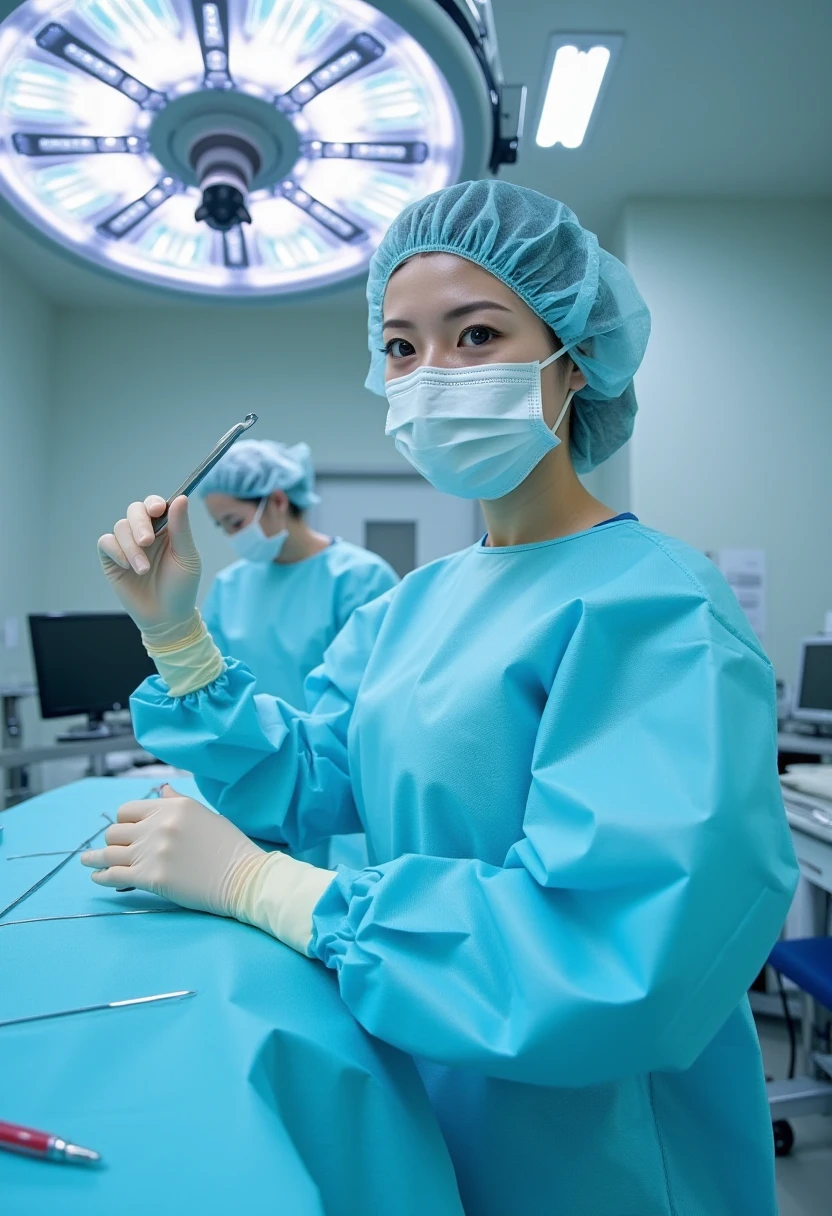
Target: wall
{"x": 27, "y": 336}
{"x": 142, "y": 395}
{"x": 732, "y": 438}
{"x": 733, "y": 442}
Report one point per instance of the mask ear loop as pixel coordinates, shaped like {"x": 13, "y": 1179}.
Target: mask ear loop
{"x": 258, "y": 514}
{"x": 563, "y": 350}
{"x": 562, "y": 413}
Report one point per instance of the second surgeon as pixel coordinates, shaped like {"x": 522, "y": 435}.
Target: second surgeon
{"x": 279, "y": 607}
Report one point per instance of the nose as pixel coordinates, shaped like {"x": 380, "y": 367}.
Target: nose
{"x": 438, "y": 353}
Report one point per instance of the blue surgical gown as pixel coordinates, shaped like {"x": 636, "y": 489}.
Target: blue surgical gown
{"x": 564, "y": 758}
{"x": 279, "y": 618}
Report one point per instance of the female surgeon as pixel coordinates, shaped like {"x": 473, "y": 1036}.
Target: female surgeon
{"x": 293, "y": 590}
{"x": 560, "y": 743}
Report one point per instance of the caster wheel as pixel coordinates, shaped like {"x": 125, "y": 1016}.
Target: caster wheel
{"x": 783, "y": 1137}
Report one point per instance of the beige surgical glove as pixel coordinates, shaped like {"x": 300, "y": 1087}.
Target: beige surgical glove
{"x": 175, "y": 847}
{"x": 157, "y": 580}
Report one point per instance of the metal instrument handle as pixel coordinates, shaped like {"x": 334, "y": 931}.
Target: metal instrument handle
{"x": 201, "y": 471}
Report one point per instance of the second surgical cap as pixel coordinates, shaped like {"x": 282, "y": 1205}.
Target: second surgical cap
{"x": 537, "y": 247}
{"x": 255, "y": 468}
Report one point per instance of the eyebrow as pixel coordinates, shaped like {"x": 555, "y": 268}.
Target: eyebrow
{"x": 462, "y": 310}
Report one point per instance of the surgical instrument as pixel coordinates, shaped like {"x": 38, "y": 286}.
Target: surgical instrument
{"x": 36, "y": 886}
{"x": 32, "y": 1143}
{"x": 36, "y": 920}
{"x": 201, "y": 471}
{"x": 66, "y": 1013}
{"x": 24, "y": 856}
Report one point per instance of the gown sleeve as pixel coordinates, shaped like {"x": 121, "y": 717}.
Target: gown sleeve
{"x": 278, "y": 773}
{"x": 651, "y": 879}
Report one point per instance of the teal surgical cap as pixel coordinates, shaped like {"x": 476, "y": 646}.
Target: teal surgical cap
{"x": 255, "y": 468}
{"x": 535, "y": 246}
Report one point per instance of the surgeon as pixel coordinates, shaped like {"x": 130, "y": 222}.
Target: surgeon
{"x": 278, "y": 608}
{"x": 560, "y": 742}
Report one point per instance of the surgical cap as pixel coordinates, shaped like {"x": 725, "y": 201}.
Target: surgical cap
{"x": 535, "y": 246}
{"x": 255, "y": 468}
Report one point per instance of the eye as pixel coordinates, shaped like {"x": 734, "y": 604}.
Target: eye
{"x": 477, "y": 335}
{"x": 399, "y": 348}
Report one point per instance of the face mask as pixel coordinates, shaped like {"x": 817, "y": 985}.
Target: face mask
{"x": 251, "y": 542}
{"x": 476, "y": 432}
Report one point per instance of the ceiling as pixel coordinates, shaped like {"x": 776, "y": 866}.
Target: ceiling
{"x": 713, "y": 99}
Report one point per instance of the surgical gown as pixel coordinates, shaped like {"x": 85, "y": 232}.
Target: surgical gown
{"x": 564, "y": 758}
{"x": 279, "y": 618}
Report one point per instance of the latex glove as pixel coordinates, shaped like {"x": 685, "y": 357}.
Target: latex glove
{"x": 156, "y": 579}
{"x": 176, "y": 848}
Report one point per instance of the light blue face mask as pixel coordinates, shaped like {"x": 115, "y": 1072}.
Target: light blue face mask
{"x": 251, "y": 542}
{"x": 476, "y": 432}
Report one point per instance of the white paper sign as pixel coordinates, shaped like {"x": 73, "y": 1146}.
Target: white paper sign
{"x": 745, "y": 572}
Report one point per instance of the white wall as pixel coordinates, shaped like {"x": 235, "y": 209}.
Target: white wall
{"x": 27, "y": 335}
{"x": 141, "y": 396}
{"x": 733, "y": 441}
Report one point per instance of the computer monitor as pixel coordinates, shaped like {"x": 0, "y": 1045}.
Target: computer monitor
{"x": 87, "y": 663}
{"x": 813, "y": 691}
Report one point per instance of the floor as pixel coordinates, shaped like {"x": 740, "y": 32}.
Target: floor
{"x": 804, "y": 1180}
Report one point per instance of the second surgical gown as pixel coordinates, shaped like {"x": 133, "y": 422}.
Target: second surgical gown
{"x": 279, "y": 617}
{"x": 564, "y": 758}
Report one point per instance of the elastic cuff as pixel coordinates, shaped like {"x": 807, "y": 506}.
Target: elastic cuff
{"x": 277, "y": 894}
{"x": 188, "y": 663}
{"x": 163, "y": 639}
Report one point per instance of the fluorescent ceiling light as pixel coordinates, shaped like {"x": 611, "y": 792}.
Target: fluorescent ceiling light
{"x": 579, "y": 64}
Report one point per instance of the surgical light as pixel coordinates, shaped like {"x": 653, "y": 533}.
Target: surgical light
{"x": 242, "y": 147}
{"x": 578, "y": 68}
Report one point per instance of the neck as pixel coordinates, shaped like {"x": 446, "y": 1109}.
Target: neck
{"x": 550, "y": 503}
{"x": 302, "y": 542}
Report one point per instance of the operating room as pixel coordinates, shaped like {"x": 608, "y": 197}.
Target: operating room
{"x": 415, "y": 608}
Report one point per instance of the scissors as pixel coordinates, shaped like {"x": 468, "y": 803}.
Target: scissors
{"x": 201, "y": 471}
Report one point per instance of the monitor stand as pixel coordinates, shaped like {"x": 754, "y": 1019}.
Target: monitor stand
{"x": 96, "y": 728}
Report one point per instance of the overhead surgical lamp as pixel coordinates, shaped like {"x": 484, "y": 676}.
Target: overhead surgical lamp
{"x": 248, "y": 148}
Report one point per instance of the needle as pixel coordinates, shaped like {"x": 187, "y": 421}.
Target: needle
{"x": 36, "y": 920}
{"x": 22, "y": 856}
{"x": 65, "y": 1013}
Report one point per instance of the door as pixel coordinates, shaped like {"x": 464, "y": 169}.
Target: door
{"x": 399, "y": 516}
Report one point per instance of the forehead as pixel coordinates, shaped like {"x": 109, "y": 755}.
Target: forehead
{"x": 428, "y": 278}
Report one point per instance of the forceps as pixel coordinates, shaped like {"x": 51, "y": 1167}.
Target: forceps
{"x": 36, "y": 886}
{"x": 201, "y": 471}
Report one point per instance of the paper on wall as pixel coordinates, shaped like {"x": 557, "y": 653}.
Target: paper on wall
{"x": 745, "y": 572}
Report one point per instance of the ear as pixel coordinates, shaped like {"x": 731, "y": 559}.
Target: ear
{"x": 280, "y": 500}
{"x": 577, "y": 380}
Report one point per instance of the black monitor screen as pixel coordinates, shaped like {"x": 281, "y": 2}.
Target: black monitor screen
{"x": 87, "y": 663}
{"x": 816, "y": 686}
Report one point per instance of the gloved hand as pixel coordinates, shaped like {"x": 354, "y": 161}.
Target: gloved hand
{"x": 156, "y": 579}
{"x": 176, "y": 848}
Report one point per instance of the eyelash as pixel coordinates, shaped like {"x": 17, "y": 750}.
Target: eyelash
{"x": 492, "y": 333}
